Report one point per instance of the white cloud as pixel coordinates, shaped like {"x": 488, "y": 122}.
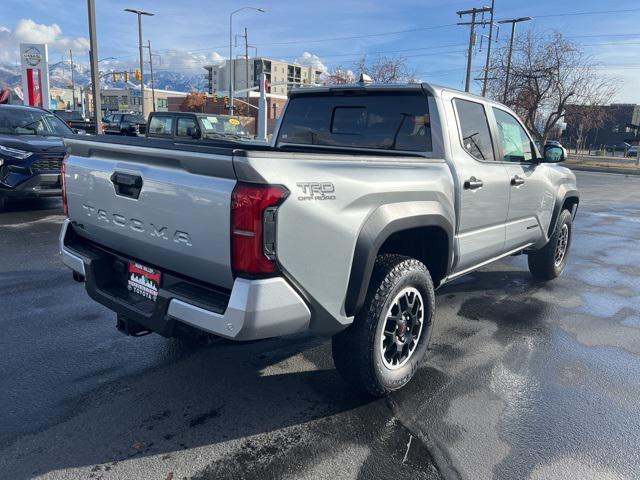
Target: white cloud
{"x": 177, "y": 60}
{"x": 311, "y": 60}
{"x": 28, "y": 31}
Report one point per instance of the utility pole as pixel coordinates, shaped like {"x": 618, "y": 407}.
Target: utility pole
{"x": 513, "y": 22}
{"x": 246, "y": 59}
{"x": 488, "y": 62}
{"x": 153, "y": 83}
{"x": 140, "y": 13}
{"x": 73, "y": 83}
{"x": 473, "y": 12}
{"x": 93, "y": 53}
{"x": 231, "y": 62}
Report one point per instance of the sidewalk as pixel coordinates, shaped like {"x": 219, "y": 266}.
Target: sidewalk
{"x": 626, "y": 166}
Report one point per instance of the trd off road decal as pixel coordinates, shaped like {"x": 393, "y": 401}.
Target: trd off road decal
{"x": 316, "y": 191}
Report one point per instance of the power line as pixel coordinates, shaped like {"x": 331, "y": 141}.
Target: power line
{"x": 433, "y": 47}
{"x": 335, "y": 39}
{"x": 597, "y": 12}
{"x": 420, "y": 29}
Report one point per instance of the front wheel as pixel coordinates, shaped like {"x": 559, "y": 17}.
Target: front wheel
{"x": 549, "y": 262}
{"x": 382, "y": 349}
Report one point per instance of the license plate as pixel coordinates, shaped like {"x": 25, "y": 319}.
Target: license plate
{"x": 143, "y": 280}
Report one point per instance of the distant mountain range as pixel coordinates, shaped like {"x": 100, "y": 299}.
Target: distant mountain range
{"x": 60, "y": 77}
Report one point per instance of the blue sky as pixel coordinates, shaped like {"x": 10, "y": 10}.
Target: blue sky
{"x": 189, "y": 33}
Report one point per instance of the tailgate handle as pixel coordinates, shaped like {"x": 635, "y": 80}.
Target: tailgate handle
{"x": 126, "y": 184}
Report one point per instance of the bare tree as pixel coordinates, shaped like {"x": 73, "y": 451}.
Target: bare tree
{"x": 380, "y": 69}
{"x": 584, "y": 119}
{"x": 386, "y": 69}
{"x": 339, "y": 76}
{"x": 548, "y": 74}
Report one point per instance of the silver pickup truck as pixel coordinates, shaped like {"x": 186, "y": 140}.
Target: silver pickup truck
{"x": 367, "y": 199}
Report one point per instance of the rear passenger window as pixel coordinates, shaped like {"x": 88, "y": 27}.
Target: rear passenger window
{"x": 376, "y": 120}
{"x": 184, "y": 124}
{"x": 160, "y": 125}
{"x": 474, "y": 127}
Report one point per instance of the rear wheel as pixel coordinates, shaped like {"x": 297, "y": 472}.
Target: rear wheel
{"x": 389, "y": 337}
{"x": 549, "y": 262}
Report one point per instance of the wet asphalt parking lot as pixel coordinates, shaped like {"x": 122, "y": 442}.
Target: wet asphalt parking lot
{"x": 523, "y": 379}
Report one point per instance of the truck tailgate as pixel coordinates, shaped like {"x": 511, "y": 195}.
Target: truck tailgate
{"x": 165, "y": 207}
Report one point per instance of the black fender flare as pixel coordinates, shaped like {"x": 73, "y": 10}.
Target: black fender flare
{"x": 381, "y": 224}
{"x": 557, "y": 208}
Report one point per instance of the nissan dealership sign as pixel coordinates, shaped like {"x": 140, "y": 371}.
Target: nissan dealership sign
{"x": 35, "y": 74}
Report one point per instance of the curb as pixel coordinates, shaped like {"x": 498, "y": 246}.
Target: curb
{"x": 620, "y": 171}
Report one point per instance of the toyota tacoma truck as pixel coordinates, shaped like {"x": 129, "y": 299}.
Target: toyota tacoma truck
{"x": 367, "y": 199}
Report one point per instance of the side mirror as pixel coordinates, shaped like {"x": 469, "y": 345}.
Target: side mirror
{"x": 79, "y": 131}
{"x": 193, "y": 132}
{"x": 554, "y": 154}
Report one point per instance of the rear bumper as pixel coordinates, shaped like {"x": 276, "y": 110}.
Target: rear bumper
{"x": 254, "y": 309}
{"x": 39, "y": 185}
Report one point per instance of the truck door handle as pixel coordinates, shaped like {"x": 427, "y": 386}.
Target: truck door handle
{"x": 126, "y": 184}
{"x": 473, "y": 184}
{"x": 517, "y": 181}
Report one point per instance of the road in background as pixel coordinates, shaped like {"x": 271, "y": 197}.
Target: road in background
{"x": 523, "y": 380}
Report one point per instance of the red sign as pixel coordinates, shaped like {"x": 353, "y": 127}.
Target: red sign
{"x": 34, "y": 87}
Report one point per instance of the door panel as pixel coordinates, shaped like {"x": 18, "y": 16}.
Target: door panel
{"x": 530, "y": 205}
{"x": 483, "y": 212}
{"x": 483, "y": 185}
{"x": 531, "y": 196}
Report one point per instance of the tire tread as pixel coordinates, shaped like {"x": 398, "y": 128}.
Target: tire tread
{"x": 352, "y": 348}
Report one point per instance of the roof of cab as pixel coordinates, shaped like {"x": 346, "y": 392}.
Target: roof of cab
{"x": 432, "y": 89}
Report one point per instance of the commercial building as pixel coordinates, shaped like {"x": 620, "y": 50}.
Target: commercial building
{"x": 247, "y": 72}
{"x": 621, "y": 123}
{"x": 129, "y": 99}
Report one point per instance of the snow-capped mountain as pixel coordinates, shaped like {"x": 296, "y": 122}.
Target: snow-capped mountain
{"x": 60, "y": 77}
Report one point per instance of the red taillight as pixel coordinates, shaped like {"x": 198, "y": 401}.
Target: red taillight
{"x": 63, "y": 169}
{"x": 252, "y": 208}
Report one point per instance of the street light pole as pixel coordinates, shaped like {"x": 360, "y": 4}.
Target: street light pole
{"x": 95, "y": 80}
{"x": 140, "y": 13}
{"x": 153, "y": 83}
{"x": 73, "y": 83}
{"x": 513, "y": 22}
{"x": 231, "y": 62}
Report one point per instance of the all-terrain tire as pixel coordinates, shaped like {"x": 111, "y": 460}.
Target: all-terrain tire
{"x": 358, "y": 351}
{"x": 549, "y": 262}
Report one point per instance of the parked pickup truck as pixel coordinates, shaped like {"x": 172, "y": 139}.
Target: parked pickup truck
{"x": 76, "y": 121}
{"x": 368, "y": 198}
{"x": 124, "y": 124}
{"x": 195, "y": 126}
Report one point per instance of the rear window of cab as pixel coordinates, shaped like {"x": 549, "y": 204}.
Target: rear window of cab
{"x": 375, "y": 120}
